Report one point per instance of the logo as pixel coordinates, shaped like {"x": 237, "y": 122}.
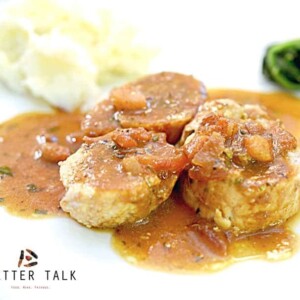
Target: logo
{"x": 32, "y": 255}
{"x": 26, "y": 277}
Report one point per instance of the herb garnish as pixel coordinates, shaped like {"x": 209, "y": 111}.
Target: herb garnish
{"x": 155, "y": 138}
{"x": 40, "y": 212}
{"x": 53, "y": 129}
{"x": 32, "y": 188}
{"x": 4, "y": 170}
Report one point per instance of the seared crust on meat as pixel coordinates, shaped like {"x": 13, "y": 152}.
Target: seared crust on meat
{"x": 244, "y": 170}
{"x": 163, "y": 102}
{"x": 120, "y": 177}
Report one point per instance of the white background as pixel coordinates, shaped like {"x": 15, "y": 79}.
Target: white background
{"x": 221, "y": 43}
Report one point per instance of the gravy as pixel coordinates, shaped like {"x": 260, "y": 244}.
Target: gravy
{"x": 34, "y": 187}
{"x": 172, "y": 238}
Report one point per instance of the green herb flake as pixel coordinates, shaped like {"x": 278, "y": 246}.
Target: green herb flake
{"x": 229, "y": 153}
{"x": 53, "y": 129}
{"x": 4, "y": 170}
{"x": 149, "y": 181}
{"x": 244, "y": 116}
{"x": 1, "y": 200}
{"x": 155, "y": 138}
{"x": 40, "y": 212}
{"x": 238, "y": 180}
{"x": 32, "y": 188}
{"x": 262, "y": 188}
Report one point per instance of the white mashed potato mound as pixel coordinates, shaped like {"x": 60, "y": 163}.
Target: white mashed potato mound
{"x": 63, "y": 54}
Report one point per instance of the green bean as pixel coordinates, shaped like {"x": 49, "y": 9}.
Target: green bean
{"x": 281, "y": 64}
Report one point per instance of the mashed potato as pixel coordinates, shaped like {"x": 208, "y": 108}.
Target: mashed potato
{"x": 63, "y": 55}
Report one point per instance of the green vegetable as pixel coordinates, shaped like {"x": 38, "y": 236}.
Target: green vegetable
{"x": 155, "y": 138}
{"x": 262, "y": 188}
{"x": 281, "y": 64}
{"x": 53, "y": 129}
{"x": 32, "y": 188}
{"x": 4, "y": 170}
{"x": 228, "y": 152}
{"x": 41, "y": 212}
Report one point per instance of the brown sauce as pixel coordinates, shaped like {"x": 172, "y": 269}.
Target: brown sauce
{"x": 34, "y": 187}
{"x": 173, "y": 238}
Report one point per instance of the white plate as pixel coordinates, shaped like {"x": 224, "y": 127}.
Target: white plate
{"x": 221, "y": 43}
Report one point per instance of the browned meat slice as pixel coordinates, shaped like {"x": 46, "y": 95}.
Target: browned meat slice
{"x": 163, "y": 102}
{"x": 119, "y": 177}
{"x": 244, "y": 171}
{"x": 100, "y": 120}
